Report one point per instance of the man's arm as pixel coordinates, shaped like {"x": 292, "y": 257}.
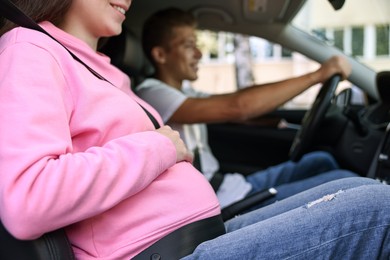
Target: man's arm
{"x": 256, "y": 100}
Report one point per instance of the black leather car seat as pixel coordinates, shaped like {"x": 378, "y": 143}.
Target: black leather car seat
{"x": 51, "y": 246}
{"x": 126, "y": 53}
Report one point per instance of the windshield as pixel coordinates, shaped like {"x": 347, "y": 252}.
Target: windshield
{"x": 360, "y": 28}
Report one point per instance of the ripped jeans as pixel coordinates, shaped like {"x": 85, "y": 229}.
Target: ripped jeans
{"x": 342, "y": 219}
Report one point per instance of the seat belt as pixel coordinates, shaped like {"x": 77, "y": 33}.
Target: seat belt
{"x": 17, "y": 16}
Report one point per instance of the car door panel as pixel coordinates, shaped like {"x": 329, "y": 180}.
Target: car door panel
{"x": 255, "y": 144}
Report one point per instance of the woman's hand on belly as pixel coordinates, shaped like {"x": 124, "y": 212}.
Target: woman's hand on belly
{"x": 182, "y": 153}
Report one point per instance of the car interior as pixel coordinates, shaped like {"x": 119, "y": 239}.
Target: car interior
{"x": 259, "y": 143}
{"x": 357, "y": 135}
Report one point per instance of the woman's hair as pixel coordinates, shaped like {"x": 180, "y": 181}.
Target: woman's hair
{"x": 39, "y": 10}
{"x": 158, "y": 28}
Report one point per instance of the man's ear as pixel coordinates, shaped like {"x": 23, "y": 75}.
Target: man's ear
{"x": 158, "y": 55}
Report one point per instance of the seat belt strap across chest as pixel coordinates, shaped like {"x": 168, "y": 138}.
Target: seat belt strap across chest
{"x": 17, "y": 16}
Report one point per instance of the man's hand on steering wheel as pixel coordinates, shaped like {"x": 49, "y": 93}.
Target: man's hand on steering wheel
{"x": 334, "y": 65}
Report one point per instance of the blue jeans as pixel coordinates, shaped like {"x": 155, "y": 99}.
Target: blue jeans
{"x": 290, "y": 177}
{"x": 343, "y": 219}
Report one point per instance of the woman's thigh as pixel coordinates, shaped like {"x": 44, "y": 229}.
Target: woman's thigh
{"x": 348, "y": 221}
{"x": 297, "y": 201}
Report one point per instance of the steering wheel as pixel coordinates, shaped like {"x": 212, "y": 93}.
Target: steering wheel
{"x": 313, "y": 118}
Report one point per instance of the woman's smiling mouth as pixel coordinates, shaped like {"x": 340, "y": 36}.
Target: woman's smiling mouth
{"x": 120, "y": 9}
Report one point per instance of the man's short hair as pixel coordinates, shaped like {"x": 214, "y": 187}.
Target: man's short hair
{"x": 158, "y": 28}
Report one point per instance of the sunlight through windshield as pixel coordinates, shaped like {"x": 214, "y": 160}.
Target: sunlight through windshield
{"x": 360, "y": 28}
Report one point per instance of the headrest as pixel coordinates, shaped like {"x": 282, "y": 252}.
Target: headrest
{"x": 383, "y": 85}
{"x": 126, "y": 53}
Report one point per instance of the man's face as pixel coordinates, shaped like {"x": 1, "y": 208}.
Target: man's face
{"x": 182, "y": 54}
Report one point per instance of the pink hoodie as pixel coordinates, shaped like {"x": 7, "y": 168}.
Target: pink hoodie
{"x": 78, "y": 152}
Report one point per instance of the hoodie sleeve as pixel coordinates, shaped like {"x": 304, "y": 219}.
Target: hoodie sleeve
{"x": 44, "y": 184}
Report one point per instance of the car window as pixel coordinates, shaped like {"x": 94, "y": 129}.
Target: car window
{"x": 269, "y": 62}
{"x": 360, "y": 29}
{"x": 364, "y": 37}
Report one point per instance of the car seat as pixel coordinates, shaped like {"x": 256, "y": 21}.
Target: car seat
{"x": 51, "y": 246}
{"x": 126, "y": 53}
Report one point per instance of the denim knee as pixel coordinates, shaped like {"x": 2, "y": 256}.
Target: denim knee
{"x": 343, "y": 173}
{"x": 322, "y": 158}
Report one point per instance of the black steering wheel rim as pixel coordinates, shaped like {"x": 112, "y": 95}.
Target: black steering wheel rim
{"x": 313, "y": 118}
